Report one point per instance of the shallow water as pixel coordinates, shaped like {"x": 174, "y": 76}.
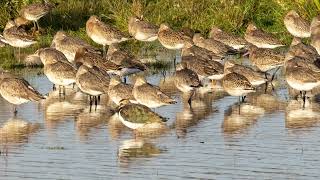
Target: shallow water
{"x": 271, "y": 137}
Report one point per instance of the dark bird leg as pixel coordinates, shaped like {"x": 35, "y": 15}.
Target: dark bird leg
{"x": 190, "y": 98}
{"x": 125, "y": 79}
{"x": 243, "y": 98}
{"x": 60, "y": 91}
{"x": 19, "y": 55}
{"x": 64, "y": 91}
{"x": 239, "y": 103}
{"x": 15, "y": 112}
{"x": 95, "y": 102}
{"x": 174, "y": 63}
{"x": 274, "y": 74}
{"x": 99, "y": 99}
{"x": 304, "y": 99}
{"x": 90, "y": 98}
{"x": 73, "y": 85}
{"x": 54, "y": 87}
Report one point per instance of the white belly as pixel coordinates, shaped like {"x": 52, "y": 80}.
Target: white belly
{"x": 130, "y": 124}
{"x": 59, "y": 80}
{"x": 238, "y": 92}
{"x": 14, "y": 99}
{"x": 145, "y": 37}
{"x": 302, "y": 86}
{"x": 216, "y": 77}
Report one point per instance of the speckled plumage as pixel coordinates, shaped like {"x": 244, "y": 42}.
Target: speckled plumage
{"x": 204, "y": 68}
{"x": 17, "y": 36}
{"x": 56, "y": 67}
{"x": 266, "y": 59}
{"x": 119, "y": 90}
{"x": 136, "y": 116}
{"x": 201, "y": 52}
{"x": 229, "y": 39}
{"x": 69, "y": 45}
{"x": 296, "y": 25}
{"x": 102, "y": 33}
{"x": 260, "y": 38}
{"x": 254, "y": 77}
{"x": 34, "y": 12}
{"x": 210, "y": 44}
{"x": 236, "y": 84}
{"x": 16, "y": 90}
{"x": 142, "y": 30}
{"x": 186, "y": 80}
{"x": 171, "y": 39}
{"x": 92, "y": 81}
{"x": 150, "y": 95}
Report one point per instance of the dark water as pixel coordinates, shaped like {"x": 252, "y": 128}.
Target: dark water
{"x": 270, "y": 138}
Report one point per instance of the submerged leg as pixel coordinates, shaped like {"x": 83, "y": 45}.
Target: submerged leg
{"x": 304, "y": 99}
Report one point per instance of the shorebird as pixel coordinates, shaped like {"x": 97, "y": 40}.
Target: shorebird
{"x": 296, "y": 25}
{"x": 315, "y": 33}
{"x": 57, "y": 68}
{"x": 299, "y": 49}
{"x": 84, "y": 56}
{"x": 17, "y": 37}
{"x": 129, "y": 64}
{"x": 260, "y": 38}
{"x": 119, "y": 90}
{"x": 142, "y": 30}
{"x": 69, "y": 45}
{"x": 201, "y": 52}
{"x": 301, "y": 78}
{"x": 186, "y": 81}
{"x": 210, "y": 44}
{"x": 237, "y": 85}
{"x": 16, "y": 90}
{"x": 138, "y": 117}
{"x": 150, "y": 95}
{"x": 34, "y": 12}
{"x": 254, "y": 77}
{"x": 171, "y": 39}
{"x": 205, "y": 69}
{"x": 266, "y": 59}
{"x": 228, "y": 39}
{"x": 92, "y": 81}
{"x": 103, "y": 34}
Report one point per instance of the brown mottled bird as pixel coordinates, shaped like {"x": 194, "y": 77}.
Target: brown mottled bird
{"x": 104, "y": 34}
{"x": 150, "y": 95}
{"x": 260, "y": 38}
{"x": 296, "y": 25}
{"x": 142, "y": 30}
{"x": 34, "y": 12}
{"x": 229, "y": 39}
{"x": 171, "y": 39}
{"x": 16, "y": 90}
{"x": 210, "y": 44}
{"x": 69, "y": 45}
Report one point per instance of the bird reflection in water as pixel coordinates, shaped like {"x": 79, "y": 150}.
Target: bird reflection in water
{"x": 87, "y": 121}
{"x": 58, "y": 109}
{"x": 15, "y": 132}
{"x": 238, "y": 119}
{"x": 297, "y": 117}
{"x": 200, "y": 109}
{"x": 134, "y": 149}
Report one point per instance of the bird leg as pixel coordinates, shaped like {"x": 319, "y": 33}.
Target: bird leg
{"x": 243, "y": 98}
{"x": 54, "y": 87}
{"x": 64, "y": 91}
{"x": 19, "y": 55}
{"x": 90, "y": 99}
{"x": 190, "y": 98}
{"x": 304, "y": 99}
{"x": 15, "y": 112}
{"x": 104, "y": 51}
{"x": 59, "y": 91}
{"x": 239, "y": 103}
{"x": 73, "y": 85}
{"x": 274, "y": 74}
{"x": 125, "y": 79}
{"x": 95, "y": 102}
{"x": 99, "y": 99}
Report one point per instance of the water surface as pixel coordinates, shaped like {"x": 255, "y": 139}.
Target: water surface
{"x": 268, "y": 137}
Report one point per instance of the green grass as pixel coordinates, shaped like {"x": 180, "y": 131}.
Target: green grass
{"x": 199, "y": 15}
